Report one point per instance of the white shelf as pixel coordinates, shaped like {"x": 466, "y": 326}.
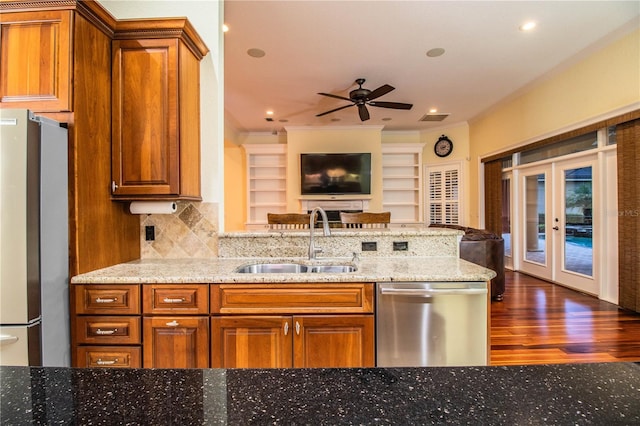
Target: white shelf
{"x": 402, "y": 182}
{"x": 266, "y": 182}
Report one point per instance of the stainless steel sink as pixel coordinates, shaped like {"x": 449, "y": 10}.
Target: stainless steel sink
{"x": 272, "y": 268}
{"x": 332, "y": 269}
{"x": 293, "y": 268}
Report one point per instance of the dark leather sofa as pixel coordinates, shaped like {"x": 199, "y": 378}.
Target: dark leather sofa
{"x": 484, "y": 248}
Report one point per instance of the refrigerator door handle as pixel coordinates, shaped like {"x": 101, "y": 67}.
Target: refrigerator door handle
{"x": 7, "y": 339}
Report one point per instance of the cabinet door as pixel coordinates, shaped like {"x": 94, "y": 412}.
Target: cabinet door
{"x": 35, "y": 64}
{"x": 176, "y": 342}
{"x": 145, "y": 117}
{"x": 251, "y": 342}
{"x": 333, "y": 341}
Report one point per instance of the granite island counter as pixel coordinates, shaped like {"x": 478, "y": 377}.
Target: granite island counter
{"x": 576, "y": 394}
{"x": 426, "y": 255}
{"x": 198, "y": 313}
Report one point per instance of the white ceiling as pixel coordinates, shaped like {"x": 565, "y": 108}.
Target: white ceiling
{"x": 323, "y": 46}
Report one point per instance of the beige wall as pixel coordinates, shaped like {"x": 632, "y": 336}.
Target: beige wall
{"x": 335, "y": 139}
{"x": 235, "y": 187}
{"x": 458, "y": 134}
{"x": 603, "y": 84}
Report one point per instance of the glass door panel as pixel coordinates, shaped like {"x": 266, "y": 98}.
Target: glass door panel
{"x": 574, "y": 225}
{"x": 533, "y": 216}
{"x": 578, "y": 208}
{"x": 535, "y": 213}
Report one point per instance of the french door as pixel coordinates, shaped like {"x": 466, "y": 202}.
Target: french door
{"x": 557, "y": 222}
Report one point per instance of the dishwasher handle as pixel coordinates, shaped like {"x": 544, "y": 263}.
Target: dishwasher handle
{"x": 430, "y": 292}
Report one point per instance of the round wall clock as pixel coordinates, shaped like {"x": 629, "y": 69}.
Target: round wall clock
{"x": 443, "y": 146}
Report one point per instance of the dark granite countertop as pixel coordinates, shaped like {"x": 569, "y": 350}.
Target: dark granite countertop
{"x": 568, "y": 394}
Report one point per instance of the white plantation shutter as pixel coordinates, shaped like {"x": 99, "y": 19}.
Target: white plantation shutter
{"x": 444, "y": 194}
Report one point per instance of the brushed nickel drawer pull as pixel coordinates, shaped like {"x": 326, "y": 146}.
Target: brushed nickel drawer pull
{"x": 103, "y": 332}
{"x": 106, "y": 300}
{"x": 173, "y": 323}
{"x": 101, "y": 362}
{"x": 178, "y": 300}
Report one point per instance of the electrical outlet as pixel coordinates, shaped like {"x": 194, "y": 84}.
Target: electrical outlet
{"x": 400, "y": 246}
{"x": 369, "y": 246}
{"x": 149, "y": 233}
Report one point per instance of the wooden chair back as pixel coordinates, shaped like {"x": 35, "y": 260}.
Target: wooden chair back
{"x": 288, "y": 220}
{"x": 365, "y": 220}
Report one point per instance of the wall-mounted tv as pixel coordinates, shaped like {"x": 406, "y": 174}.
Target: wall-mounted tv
{"x": 348, "y": 173}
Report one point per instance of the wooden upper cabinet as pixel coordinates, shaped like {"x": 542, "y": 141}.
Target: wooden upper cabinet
{"x": 156, "y": 111}
{"x": 36, "y": 60}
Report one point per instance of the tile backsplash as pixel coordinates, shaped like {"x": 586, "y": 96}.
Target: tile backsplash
{"x": 192, "y": 231}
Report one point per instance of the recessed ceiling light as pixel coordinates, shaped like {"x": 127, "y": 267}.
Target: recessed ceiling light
{"x": 269, "y": 112}
{"x": 527, "y": 26}
{"x": 432, "y": 110}
{"x": 225, "y": 28}
{"x": 434, "y": 53}
{"x": 256, "y": 53}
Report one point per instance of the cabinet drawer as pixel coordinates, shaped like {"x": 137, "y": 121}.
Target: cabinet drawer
{"x": 107, "y": 299}
{"x": 292, "y": 298}
{"x": 188, "y": 299}
{"x": 109, "y": 356}
{"x": 108, "y": 330}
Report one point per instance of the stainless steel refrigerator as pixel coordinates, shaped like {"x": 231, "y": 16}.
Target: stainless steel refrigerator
{"x": 34, "y": 241}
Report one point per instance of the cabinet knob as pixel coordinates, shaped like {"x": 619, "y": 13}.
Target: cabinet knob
{"x": 286, "y": 328}
{"x": 297, "y": 328}
{"x": 114, "y": 186}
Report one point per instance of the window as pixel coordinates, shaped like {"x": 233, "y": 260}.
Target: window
{"x": 444, "y": 194}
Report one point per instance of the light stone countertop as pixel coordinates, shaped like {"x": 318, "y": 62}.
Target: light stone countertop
{"x": 221, "y": 270}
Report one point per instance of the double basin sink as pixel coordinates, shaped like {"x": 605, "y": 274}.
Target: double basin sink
{"x": 293, "y": 268}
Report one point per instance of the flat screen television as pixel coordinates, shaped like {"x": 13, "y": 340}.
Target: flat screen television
{"x": 348, "y": 173}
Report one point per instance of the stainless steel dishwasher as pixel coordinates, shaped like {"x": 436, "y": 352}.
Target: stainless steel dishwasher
{"x": 431, "y": 324}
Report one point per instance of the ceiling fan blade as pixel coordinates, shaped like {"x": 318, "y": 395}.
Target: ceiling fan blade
{"x": 393, "y": 105}
{"x": 363, "y": 111}
{"x": 334, "y": 110}
{"x": 335, "y": 96}
{"x": 382, "y": 90}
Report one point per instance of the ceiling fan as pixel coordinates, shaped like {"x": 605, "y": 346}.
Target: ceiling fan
{"x": 363, "y": 97}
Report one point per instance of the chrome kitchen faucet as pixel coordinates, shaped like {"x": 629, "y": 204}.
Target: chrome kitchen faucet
{"x": 313, "y": 250}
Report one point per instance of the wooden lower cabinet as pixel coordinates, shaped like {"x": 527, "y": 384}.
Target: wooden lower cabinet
{"x": 334, "y": 341}
{"x": 300, "y": 341}
{"x": 176, "y": 342}
{"x": 251, "y": 342}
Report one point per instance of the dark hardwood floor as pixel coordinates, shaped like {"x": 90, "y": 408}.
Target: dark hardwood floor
{"x": 539, "y": 322}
